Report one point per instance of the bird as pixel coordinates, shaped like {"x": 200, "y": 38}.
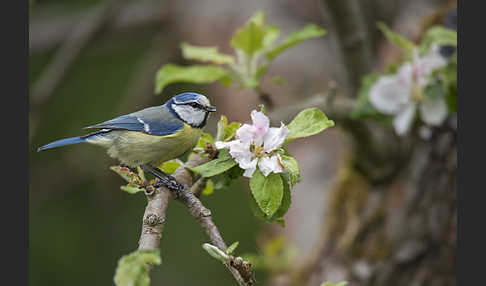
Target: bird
{"x": 151, "y": 136}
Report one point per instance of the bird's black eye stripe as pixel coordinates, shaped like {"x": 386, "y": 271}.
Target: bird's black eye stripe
{"x": 194, "y": 104}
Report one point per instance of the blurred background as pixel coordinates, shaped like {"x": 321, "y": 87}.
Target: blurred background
{"x": 94, "y": 60}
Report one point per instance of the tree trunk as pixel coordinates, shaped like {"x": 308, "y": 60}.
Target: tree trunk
{"x": 402, "y": 232}
{"x": 390, "y": 218}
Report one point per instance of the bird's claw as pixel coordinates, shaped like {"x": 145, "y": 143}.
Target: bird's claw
{"x": 171, "y": 184}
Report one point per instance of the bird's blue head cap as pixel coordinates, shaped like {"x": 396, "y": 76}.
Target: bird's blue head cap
{"x": 194, "y": 99}
{"x": 192, "y": 108}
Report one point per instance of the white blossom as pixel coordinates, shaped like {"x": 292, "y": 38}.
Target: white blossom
{"x": 255, "y": 145}
{"x": 401, "y": 93}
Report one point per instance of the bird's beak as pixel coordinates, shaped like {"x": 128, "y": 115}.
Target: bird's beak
{"x": 211, "y": 108}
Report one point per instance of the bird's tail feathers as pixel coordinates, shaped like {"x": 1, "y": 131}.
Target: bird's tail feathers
{"x": 62, "y": 142}
{"x": 72, "y": 140}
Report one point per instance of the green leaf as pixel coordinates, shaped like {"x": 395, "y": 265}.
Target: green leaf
{"x": 271, "y": 35}
{"x": 209, "y": 188}
{"x": 261, "y": 70}
{"x": 292, "y": 166}
{"x": 406, "y": 45}
{"x": 205, "y": 54}
{"x": 232, "y": 247}
{"x": 308, "y": 122}
{"x": 258, "y": 18}
{"x": 222, "y": 123}
{"x": 169, "y": 166}
{"x": 267, "y": 191}
{"x": 131, "y": 189}
{"x": 438, "y": 35}
{"x": 249, "y": 38}
{"x": 216, "y": 252}
{"x": 205, "y": 139}
{"x": 286, "y": 201}
{"x": 171, "y": 73}
{"x": 230, "y": 130}
{"x": 217, "y": 166}
{"x": 132, "y": 269}
{"x": 227, "y": 79}
{"x": 226, "y": 131}
{"x": 309, "y": 31}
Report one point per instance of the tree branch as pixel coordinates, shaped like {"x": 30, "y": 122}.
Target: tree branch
{"x": 353, "y": 37}
{"x": 155, "y": 217}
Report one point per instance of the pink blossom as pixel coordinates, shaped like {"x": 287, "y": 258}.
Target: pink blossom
{"x": 255, "y": 145}
{"x": 400, "y": 94}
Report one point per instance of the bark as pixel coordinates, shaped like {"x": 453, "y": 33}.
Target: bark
{"x": 399, "y": 233}
{"x": 391, "y": 215}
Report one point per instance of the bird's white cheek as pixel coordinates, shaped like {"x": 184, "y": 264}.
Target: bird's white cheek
{"x": 190, "y": 114}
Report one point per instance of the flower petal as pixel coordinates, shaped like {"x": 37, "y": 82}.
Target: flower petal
{"x": 259, "y": 119}
{"x": 249, "y": 167}
{"x": 221, "y": 144}
{"x": 433, "y": 111}
{"x": 391, "y": 92}
{"x": 275, "y": 137}
{"x": 432, "y": 60}
{"x": 255, "y": 132}
{"x": 245, "y": 133}
{"x": 261, "y": 123}
{"x": 270, "y": 164}
{"x": 404, "y": 119}
{"x": 240, "y": 150}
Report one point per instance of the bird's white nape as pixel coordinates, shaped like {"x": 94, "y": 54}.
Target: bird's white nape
{"x": 191, "y": 115}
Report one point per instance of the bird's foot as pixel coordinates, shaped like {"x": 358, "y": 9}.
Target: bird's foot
{"x": 170, "y": 183}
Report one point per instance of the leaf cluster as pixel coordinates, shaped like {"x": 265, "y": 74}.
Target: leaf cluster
{"x": 132, "y": 268}
{"x": 255, "y": 47}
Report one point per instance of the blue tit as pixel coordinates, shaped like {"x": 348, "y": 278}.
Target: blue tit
{"x": 151, "y": 136}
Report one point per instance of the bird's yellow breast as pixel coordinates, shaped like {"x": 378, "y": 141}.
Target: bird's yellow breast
{"x": 135, "y": 148}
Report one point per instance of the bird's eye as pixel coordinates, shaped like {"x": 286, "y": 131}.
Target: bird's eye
{"x": 193, "y": 104}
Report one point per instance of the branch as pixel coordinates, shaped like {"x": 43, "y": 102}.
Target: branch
{"x": 155, "y": 217}
{"x": 203, "y": 216}
{"x": 336, "y": 107}
{"x": 353, "y": 37}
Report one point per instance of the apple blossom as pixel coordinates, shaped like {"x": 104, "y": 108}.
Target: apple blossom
{"x": 401, "y": 94}
{"x": 255, "y": 145}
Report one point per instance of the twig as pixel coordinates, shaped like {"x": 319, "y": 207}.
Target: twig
{"x": 203, "y": 216}
{"x": 155, "y": 217}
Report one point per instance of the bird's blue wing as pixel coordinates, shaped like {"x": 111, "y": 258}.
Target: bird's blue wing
{"x": 153, "y": 120}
